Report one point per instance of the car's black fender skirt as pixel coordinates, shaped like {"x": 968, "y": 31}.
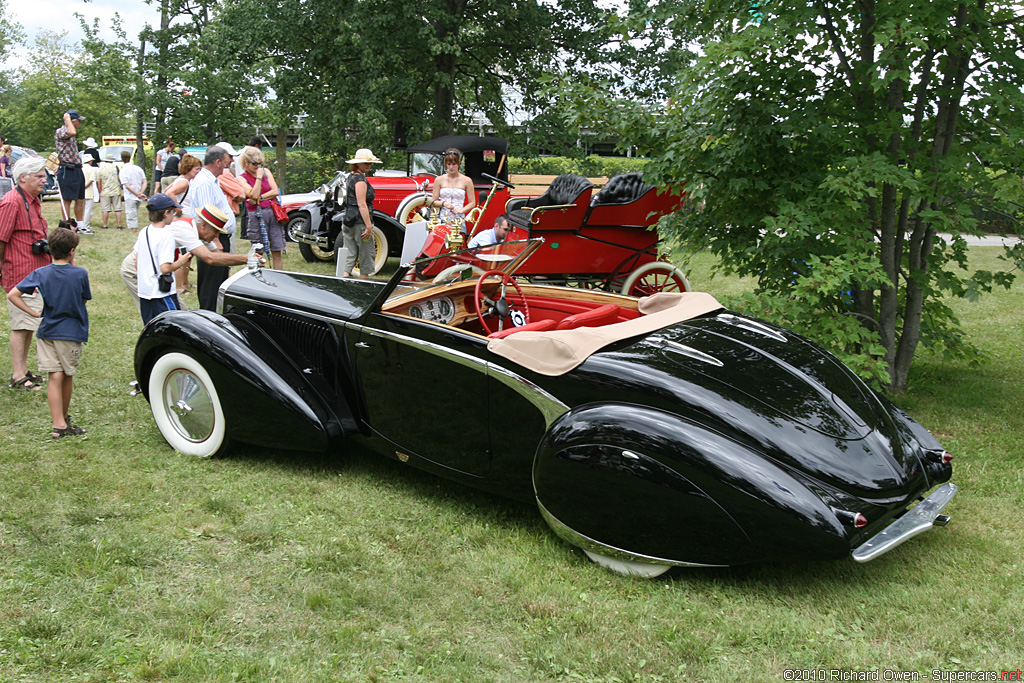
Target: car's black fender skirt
{"x": 650, "y": 485}
{"x": 271, "y": 406}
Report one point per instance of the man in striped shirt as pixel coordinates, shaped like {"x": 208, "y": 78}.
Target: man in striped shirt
{"x": 22, "y": 226}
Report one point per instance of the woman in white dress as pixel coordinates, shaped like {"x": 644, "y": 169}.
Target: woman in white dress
{"x": 453, "y": 192}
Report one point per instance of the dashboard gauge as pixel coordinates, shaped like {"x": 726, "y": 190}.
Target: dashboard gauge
{"x": 439, "y": 310}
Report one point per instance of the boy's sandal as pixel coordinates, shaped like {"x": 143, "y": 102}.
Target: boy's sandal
{"x": 70, "y": 430}
{"x": 24, "y": 384}
{"x": 36, "y": 379}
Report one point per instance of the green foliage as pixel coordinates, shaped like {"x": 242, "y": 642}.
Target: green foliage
{"x": 304, "y": 170}
{"x": 828, "y": 145}
{"x": 59, "y": 77}
{"x": 592, "y": 166}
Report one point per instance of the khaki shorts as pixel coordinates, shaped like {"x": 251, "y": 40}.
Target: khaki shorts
{"x": 20, "y": 320}
{"x": 108, "y": 204}
{"x": 58, "y": 355}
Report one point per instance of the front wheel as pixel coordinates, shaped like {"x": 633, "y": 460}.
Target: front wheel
{"x": 654, "y": 277}
{"x": 297, "y": 223}
{"x": 186, "y": 406}
{"x": 313, "y": 253}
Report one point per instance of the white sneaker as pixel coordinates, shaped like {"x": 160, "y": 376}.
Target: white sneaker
{"x": 86, "y": 231}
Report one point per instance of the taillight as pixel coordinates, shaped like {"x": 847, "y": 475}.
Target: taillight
{"x": 855, "y": 519}
{"x": 943, "y": 458}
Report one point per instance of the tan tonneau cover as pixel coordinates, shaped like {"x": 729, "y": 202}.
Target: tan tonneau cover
{"x": 558, "y": 352}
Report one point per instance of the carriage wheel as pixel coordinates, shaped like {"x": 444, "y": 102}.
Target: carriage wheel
{"x": 654, "y": 277}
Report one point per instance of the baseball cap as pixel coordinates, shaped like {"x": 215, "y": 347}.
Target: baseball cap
{"x": 75, "y": 116}
{"x": 161, "y": 201}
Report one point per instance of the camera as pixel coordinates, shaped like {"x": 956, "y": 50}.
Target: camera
{"x": 40, "y": 247}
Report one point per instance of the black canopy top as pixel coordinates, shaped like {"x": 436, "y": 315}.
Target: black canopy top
{"x": 463, "y": 143}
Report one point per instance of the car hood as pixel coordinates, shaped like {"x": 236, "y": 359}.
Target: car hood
{"x": 772, "y": 390}
{"x": 336, "y": 298}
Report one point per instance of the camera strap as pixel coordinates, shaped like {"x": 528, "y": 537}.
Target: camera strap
{"x": 28, "y": 212}
{"x": 149, "y": 249}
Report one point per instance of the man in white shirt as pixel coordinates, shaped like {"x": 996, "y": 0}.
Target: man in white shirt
{"x": 133, "y": 181}
{"x": 205, "y": 189}
{"x": 498, "y": 233}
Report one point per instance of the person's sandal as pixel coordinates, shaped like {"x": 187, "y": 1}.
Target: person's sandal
{"x": 70, "y": 430}
{"x": 36, "y": 379}
{"x": 24, "y": 384}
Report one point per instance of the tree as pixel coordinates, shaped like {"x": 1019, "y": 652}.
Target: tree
{"x": 59, "y": 77}
{"x": 827, "y": 144}
{"x": 364, "y": 65}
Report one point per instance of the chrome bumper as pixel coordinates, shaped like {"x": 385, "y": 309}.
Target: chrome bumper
{"x": 919, "y": 519}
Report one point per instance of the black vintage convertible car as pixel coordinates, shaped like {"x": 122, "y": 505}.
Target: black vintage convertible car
{"x": 651, "y": 433}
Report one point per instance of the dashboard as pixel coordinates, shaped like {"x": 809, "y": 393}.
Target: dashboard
{"x": 438, "y": 309}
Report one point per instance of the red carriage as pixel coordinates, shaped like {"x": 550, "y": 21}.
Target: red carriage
{"x": 601, "y": 239}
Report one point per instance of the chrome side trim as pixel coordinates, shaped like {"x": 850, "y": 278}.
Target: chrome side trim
{"x": 919, "y": 519}
{"x": 687, "y": 351}
{"x": 549, "y": 406}
{"x": 589, "y": 544}
{"x": 752, "y": 325}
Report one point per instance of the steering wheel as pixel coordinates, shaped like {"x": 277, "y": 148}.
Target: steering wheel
{"x": 498, "y": 180}
{"x": 486, "y": 307}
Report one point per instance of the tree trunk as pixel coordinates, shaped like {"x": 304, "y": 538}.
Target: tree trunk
{"x": 140, "y": 112}
{"x": 282, "y": 150}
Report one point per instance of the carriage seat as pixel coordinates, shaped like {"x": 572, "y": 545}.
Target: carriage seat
{"x": 595, "y": 317}
{"x": 626, "y": 201}
{"x": 565, "y": 190}
{"x": 621, "y": 189}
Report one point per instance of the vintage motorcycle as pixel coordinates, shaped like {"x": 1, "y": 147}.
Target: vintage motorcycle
{"x": 316, "y": 227}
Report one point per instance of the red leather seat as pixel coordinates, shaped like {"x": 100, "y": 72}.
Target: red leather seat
{"x": 595, "y": 317}
{"x": 536, "y": 326}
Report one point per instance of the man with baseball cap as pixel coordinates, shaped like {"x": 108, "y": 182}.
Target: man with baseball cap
{"x": 70, "y": 178}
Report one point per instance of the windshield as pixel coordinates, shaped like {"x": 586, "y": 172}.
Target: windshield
{"x": 432, "y": 164}
{"x": 113, "y": 152}
{"x": 451, "y": 267}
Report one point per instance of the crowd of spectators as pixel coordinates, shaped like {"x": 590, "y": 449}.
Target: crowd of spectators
{"x": 193, "y": 210}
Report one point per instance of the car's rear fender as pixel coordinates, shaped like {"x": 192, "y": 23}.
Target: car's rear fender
{"x": 278, "y": 409}
{"x": 654, "y": 486}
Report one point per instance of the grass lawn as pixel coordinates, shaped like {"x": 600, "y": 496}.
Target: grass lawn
{"x": 121, "y": 560}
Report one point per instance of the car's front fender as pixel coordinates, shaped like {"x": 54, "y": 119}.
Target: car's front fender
{"x": 651, "y": 485}
{"x": 266, "y": 408}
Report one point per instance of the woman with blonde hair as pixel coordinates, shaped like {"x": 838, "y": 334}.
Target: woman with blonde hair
{"x": 260, "y": 191}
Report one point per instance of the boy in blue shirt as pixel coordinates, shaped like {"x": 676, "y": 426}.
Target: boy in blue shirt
{"x": 65, "y": 325}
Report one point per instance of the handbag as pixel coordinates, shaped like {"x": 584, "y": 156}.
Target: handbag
{"x": 279, "y": 213}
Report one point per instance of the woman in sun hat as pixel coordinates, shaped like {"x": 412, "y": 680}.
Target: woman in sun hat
{"x": 357, "y": 227}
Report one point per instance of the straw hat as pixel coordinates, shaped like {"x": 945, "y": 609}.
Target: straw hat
{"x": 364, "y": 156}
{"x": 214, "y": 217}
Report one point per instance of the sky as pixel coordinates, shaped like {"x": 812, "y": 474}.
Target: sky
{"x": 59, "y": 16}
